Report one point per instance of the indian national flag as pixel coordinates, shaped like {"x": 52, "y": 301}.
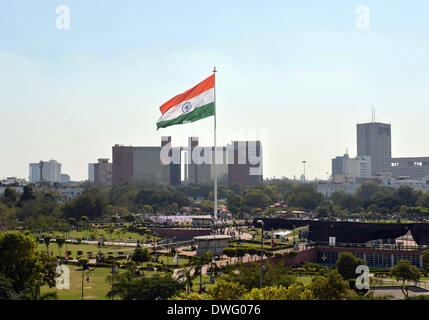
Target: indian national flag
{"x": 195, "y": 104}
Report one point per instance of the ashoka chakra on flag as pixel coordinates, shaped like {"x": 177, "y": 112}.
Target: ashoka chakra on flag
{"x": 195, "y": 104}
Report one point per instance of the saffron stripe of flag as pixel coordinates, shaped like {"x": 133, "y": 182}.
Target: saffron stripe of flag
{"x": 195, "y": 104}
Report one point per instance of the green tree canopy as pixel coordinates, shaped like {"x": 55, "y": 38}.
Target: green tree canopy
{"x": 405, "y": 271}
{"x": 91, "y": 205}
{"x": 333, "y": 287}
{"x": 141, "y": 255}
{"x": 128, "y": 287}
{"x": 26, "y": 268}
{"x": 347, "y": 264}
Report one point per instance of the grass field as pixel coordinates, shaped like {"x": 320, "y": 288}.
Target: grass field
{"x": 85, "y": 248}
{"x": 97, "y": 286}
{"x": 101, "y": 233}
{"x": 305, "y": 280}
{"x": 115, "y": 250}
{"x": 95, "y": 289}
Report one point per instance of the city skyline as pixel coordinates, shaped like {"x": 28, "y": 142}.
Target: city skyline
{"x": 306, "y": 75}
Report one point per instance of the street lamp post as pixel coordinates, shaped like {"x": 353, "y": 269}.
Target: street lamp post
{"x": 304, "y": 162}
{"x": 114, "y": 271}
{"x": 262, "y": 252}
{"x": 41, "y": 164}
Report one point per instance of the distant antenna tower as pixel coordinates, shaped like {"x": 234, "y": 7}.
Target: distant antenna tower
{"x": 373, "y": 114}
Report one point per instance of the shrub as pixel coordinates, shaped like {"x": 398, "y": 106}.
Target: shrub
{"x": 83, "y": 261}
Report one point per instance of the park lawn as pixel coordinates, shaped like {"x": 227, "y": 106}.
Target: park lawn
{"x": 305, "y": 280}
{"x": 393, "y": 282}
{"x": 116, "y": 235}
{"x": 95, "y": 289}
{"x": 169, "y": 260}
{"x": 85, "y": 248}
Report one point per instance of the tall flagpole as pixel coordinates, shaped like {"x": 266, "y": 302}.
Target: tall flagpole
{"x": 215, "y": 164}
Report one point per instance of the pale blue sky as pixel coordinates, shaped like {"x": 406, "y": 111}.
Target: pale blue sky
{"x": 299, "y": 70}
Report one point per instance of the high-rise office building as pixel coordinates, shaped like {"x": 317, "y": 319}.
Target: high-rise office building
{"x": 245, "y": 163}
{"x": 144, "y": 164}
{"x": 237, "y": 163}
{"x": 100, "y": 172}
{"x": 374, "y": 139}
{"x": 412, "y": 167}
{"x": 204, "y": 173}
{"x": 51, "y": 171}
{"x": 91, "y": 173}
{"x": 338, "y": 164}
{"x": 358, "y": 167}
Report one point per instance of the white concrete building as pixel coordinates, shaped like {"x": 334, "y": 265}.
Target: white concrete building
{"x": 13, "y": 181}
{"x": 202, "y": 221}
{"x": 351, "y": 187}
{"x": 327, "y": 189}
{"x": 213, "y": 243}
{"x": 358, "y": 167}
{"x": 415, "y": 184}
{"x": 91, "y": 170}
{"x": 51, "y": 171}
{"x": 68, "y": 194}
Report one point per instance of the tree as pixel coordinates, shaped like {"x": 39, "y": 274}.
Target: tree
{"x": 28, "y": 194}
{"x": 367, "y": 190}
{"x": 140, "y": 256}
{"x": 60, "y": 243}
{"x": 10, "y": 197}
{"x": 423, "y": 200}
{"x": 191, "y": 297}
{"x": 47, "y": 240}
{"x": 24, "y": 266}
{"x": 147, "y": 209}
{"x": 293, "y": 292}
{"x": 203, "y": 259}
{"x": 7, "y": 217}
{"x": 333, "y": 287}
{"x": 233, "y": 203}
{"x": 407, "y": 196}
{"x": 405, "y": 271}
{"x": 6, "y": 289}
{"x": 224, "y": 290}
{"x": 325, "y": 208}
{"x": 347, "y": 264}
{"x": 230, "y": 252}
{"x": 387, "y": 199}
{"x": 425, "y": 258}
{"x": 206, "y": 206}
{"x": 240, "y": 253}
{"x": 305, "y": 196}
{"x": 128, "y": 287}
{"x": 91, "y": 205}
{"x": 337, "y": 197}
{"x": 83, "y": 262}
{"x": 249, "y": 275}
{"x": 255, "y": 198}
{"x": 186, "y": 276}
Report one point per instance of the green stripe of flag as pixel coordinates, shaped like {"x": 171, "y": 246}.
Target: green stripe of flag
{"x": 198, "y": 114}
